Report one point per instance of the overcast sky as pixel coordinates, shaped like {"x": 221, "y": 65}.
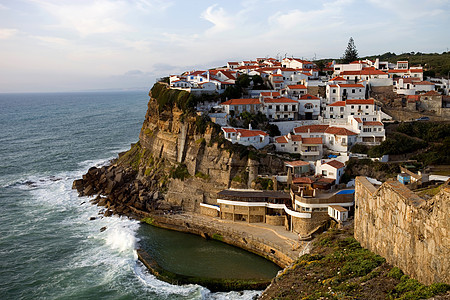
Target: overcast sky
{"x": 68, "y": 45}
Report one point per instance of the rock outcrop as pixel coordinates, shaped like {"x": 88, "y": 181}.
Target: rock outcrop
{"x": 180, "y": 161}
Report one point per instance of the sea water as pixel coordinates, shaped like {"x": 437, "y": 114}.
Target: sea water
{"x": 49, "y": 246}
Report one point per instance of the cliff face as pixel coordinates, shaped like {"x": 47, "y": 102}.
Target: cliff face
{"x": 180, "y": 160}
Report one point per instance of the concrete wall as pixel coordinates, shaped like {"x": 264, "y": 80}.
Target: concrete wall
{"x": 411, "y": 233}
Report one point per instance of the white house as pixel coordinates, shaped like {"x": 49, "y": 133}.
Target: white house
{"x": 296, "y": 90}
{"x": 366, "y": 108}
{"x": 339, "y": 139}
{"x": 309, "y": 148}
{"x": 309, "y": 107}
{"x": 297, "y": 63}
{"x": 337, "y": 212}
{"x": 343, "y": 91}
{"x": 412, "y": 86}
{"x": 277, "y": 81}
{"x": 238, "y": 106}
{"x": 311, "y": 131}
{"x": 246, "y": 137}
{"x": 369, "y": 132}
{"x": 333, "y": 169}
{"x": 280, "y": 108}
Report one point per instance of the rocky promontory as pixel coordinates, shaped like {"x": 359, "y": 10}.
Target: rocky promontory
{"x": 180, "y": 161}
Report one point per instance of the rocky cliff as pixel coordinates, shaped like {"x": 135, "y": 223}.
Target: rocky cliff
{"x": 181, "y": 160}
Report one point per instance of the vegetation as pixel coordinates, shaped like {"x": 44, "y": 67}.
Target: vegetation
{"x": 397, "y": 143}
{"x": 202, "y": 175}
{"x": 179, "y": 172}
{"x": 339, "y": 268}
{"x": 350, "y": 54}
{"x": 434, "y": 64}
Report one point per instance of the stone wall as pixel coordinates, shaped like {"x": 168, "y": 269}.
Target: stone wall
{"x": 210, "y": 212}
{"x": 275, "y": 220}
{"x": 305, "y": 227}
{"x": 411, "y": 233}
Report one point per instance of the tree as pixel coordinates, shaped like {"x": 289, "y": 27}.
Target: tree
{"x": 350, "y": 54}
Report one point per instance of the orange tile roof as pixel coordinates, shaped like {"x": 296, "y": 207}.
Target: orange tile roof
{"x": 296, "y": 138}
{"x": 335, "y": 164}
{"x": 350, "y": 85}
{"x": 312, "y": 128}
{"x": 372, "y": 123}
{"x": 268, "y": 94}
{"x": 281, "y": 140}
{"x": 302, "y": 180}
{"x": 431, "y": 93}
{"x": 338, "y": 103}
{"x": 416, "y": 70}
{"x": 312, "y": 141}
{"x": 279, "y": 100}
{"x": 332, "y": 85}
{"x": 364, "y": 72}
{"x": 339, "y": 131}
{"x": 296, "y": 163}
{"x": 358, "y": 120}
{"x": 297, "y": 87}
{"x": 228, "y": 129}
{"x": 337, "y": 78}
{"x": 423, "y": 83}
{"x": 248, "y": 132}
{"x": 245, "y": 101}
{"x": 309, "y": 97}
{"x": 360, "y": 101}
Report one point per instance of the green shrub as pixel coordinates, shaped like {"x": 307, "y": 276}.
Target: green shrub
{"x": 395, "y": 273}
{"x": 202, "y": 175}
{"x": 179, "y": 172}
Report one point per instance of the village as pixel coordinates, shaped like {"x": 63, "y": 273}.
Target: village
{"x": 316, "y": 116}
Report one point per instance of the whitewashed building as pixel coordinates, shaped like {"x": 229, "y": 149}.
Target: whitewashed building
{"x": 246, "y": 137}
{"x": 333, "y": 169}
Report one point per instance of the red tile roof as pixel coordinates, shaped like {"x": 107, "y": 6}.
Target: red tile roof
{"x": 338, "y": 103}
{"x": 431, "y": 93}
{"x": 309, "y": 97}
{"x": 339, "y": 131}
{"x": 241, "y": 101}
{"x": 268, "y": 94}
{"x": 312, "y": 141}
{"x": 347, "y": 85}
{"x": 279, "y": 100}
{"x": 296, "y": 163}
{"x": 335, "y": 164}
{"x": 423, "y": 83}
{"x": 281, "y": 140}
{"x": 302, "y": 180}
{"x": 297, "y": 87}
{"x": 228, "y": 129}
{"x": 248, "y": 133}
{"x": 337, "y": 78}
{"x": 358, "y": 120}
{"x": 366, "y": 71}
{"x": 360, "y": 101}
{"x": 372, "y": 123}
{"x": 312, "y": 128}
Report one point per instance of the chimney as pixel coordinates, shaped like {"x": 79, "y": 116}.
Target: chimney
{"x": 250, "y": 126}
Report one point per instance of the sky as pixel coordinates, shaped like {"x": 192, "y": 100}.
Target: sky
{"x": 82, "y": 45}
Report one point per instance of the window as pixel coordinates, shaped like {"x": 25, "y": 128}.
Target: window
{"x": 277, "y": 108}
{"x": 282, "y": 146}
{"x": 286, "y": 108}
{"x": 352, "y": 107}
{"x": 353, "y": 91}
{"x": 295, "y": 149}
{"x": 331, "y": 109}
{"x": 324, "y": 172}
{"x": 334, "y": 91}
{"x": 367, "y": 106}
{"x": 270, "y": 106}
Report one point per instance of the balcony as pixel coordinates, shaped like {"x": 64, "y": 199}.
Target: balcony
{"x": 309, "y": 153}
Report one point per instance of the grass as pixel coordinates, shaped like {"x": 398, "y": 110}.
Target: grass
{"x": 339, "y": 268}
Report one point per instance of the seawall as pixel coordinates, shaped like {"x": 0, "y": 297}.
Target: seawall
{"x": 411, "y": 233}
{"x": 282, "y": 255}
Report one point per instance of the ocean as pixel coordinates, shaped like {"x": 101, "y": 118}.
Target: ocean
{"x": 49, "y": 246}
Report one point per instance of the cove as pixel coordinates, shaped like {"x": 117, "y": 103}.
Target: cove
{"x": 187, "y": 258}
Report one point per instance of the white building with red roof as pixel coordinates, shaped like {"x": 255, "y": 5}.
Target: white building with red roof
{"x": 412, "y": 86}
{"x": 297, "y": 63}
{"x": 246, "y": 137}
{"x": 309, "y": 107}
{"x": 238, "y": 106}
{"x": 369, "y": 132}
{"x": 280, "y": 108}
{"x": 343, "y": 91}
{"x": 296, "y": 90}
{"x": 332, "y": 169}
{"x": 309, "y": 148}
{"x": 339, "y": 139}
{"x": 364, "y": 108}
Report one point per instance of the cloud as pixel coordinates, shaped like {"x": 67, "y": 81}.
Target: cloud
{"x": 54, "y": 41}
{"x": 6, "y": 33}
{"x": 88, "y": 18}
{"x": 220, "y": 18}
